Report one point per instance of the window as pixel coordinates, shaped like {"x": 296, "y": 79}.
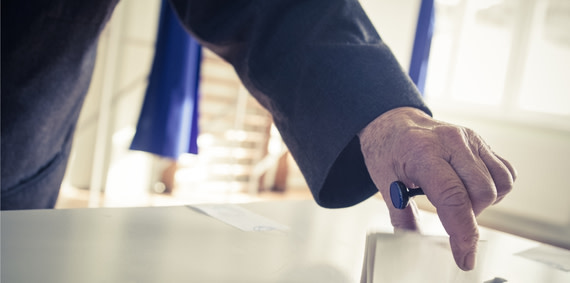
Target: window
{"x": 505, "y": 58}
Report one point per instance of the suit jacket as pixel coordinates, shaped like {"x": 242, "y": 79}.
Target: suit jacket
{"x": 318, "y": 66}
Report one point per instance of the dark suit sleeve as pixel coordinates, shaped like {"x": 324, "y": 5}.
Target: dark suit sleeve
{"x": 322, "y": 71}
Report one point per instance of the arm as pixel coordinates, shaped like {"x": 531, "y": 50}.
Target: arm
{"x": 346, "y": 109}
{"x": 321, "y": 70}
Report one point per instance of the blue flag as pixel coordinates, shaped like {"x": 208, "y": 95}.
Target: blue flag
{"x": 168, "y": 122}
{"x": 422, "y": 43}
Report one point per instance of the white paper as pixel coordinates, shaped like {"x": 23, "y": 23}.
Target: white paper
{"x": 552, "y": 256}
{"x": 411, "y": 257}
{"x": 239, "y": 217}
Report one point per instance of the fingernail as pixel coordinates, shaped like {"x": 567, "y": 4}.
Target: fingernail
{"x": 469, "y": 261}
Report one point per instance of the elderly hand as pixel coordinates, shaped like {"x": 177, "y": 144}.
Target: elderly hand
{"x": 456, "y": 169}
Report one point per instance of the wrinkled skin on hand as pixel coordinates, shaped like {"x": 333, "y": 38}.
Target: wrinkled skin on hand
{"x": 457, "y": 170}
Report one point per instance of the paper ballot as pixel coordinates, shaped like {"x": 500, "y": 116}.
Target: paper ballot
{"x": 240, "y": 217}
{"x": 411, "y": 257}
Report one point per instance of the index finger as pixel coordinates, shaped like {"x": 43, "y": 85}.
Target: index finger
{"x": 446, "y": 192}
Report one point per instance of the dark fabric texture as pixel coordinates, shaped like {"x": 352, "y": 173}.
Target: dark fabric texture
{"x": 48, "y": 52}
{"x": 318, "y": 66}
{"x": 322, "y": 71}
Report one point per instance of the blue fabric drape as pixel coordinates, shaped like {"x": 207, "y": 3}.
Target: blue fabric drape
{"x": 168, "y": 123}
{"x": 422, "y": 43}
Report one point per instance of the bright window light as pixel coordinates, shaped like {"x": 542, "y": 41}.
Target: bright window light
{"x": 511, "y": 55}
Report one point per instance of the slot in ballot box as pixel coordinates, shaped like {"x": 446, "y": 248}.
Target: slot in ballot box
{"x": 188, "y": 244}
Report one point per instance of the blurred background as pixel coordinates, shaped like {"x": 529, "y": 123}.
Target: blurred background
{"x": 496, "y": 66}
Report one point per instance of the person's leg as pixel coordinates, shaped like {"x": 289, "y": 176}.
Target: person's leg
{"x": 48, "y": 53}
{"x": 42, "y": 188}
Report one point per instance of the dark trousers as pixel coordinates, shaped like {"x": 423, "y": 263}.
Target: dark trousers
{"x": 48, "y": 54}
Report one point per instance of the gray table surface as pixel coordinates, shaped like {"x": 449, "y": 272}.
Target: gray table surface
{"x": 181, "y": 244}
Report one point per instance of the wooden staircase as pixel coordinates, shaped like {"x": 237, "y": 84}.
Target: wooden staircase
{"x": 235, "y": 132}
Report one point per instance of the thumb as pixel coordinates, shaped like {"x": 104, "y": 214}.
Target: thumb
{"x": 403, "y": 219}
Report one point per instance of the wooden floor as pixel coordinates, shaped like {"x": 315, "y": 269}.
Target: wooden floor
{"x": 79, "y": 198}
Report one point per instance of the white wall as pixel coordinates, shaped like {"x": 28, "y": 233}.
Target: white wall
{"x": 395, "y": 21}
{"x": 113, "y": 102}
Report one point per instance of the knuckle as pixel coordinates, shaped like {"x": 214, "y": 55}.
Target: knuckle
{"x": 505, "y": 188}
{"x": 421, "y": 153}
{"x": 467, "y": 239}
{"x": 485, "y": 197}
{"x": 452, "y": 133}
{"x": 453, "y": 197}
{"x": 422, "y": 150}
{"x": 507, "y": 185}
